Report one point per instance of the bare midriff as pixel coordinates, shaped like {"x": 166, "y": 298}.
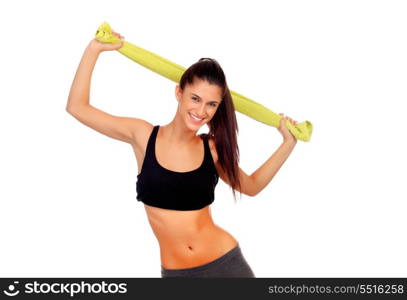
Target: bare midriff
{"x": 188, "y": 238}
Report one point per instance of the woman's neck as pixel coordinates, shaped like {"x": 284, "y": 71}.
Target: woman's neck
{"x": 178, "y": 133}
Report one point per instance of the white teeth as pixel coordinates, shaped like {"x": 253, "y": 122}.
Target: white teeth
{"x": 196, "y": 118}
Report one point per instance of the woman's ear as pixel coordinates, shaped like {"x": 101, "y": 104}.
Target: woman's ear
{"x": 178, "y": 92}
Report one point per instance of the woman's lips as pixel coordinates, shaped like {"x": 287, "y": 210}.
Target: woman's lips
{"x": 195, "y": 119}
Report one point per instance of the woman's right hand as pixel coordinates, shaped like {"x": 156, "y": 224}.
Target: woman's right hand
{"x": 100, "y": 46}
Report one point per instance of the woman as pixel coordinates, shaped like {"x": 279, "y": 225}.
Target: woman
{"x": 178, "y": 170}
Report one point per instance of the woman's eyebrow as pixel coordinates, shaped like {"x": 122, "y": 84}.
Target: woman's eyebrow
{"x": 201, "y": 98}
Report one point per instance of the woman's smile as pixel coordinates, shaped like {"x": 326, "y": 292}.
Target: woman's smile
{"x": 195, "y": 119}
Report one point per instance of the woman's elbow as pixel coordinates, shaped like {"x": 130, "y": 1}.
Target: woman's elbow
{"x": 251, "y": 192}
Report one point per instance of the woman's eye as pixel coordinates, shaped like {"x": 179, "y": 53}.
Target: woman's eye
{"x": 194, "y": 98}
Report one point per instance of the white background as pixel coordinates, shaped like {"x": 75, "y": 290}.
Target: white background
{"x": 336, "y": 208}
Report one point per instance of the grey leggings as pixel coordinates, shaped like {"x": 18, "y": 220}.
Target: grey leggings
{"x": 231, "y": 264}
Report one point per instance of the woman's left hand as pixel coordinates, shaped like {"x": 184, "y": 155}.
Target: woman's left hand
{"x": 287, "y": 135}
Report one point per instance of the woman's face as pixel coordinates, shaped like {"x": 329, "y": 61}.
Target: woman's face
{"x": 198, "y": 102}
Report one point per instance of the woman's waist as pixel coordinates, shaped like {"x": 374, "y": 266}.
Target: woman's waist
{"x": 174, "y": 224}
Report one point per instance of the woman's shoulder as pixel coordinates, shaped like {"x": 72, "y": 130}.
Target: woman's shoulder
{"x": 211, "y": 144}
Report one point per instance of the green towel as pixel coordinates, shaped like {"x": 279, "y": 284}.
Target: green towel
{"x": 172, "y": 71}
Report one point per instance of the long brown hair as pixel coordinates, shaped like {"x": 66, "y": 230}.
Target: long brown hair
{"x": 223, "y": 126}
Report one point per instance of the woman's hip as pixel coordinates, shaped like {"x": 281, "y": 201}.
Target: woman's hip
{"x": 230, "y": 264}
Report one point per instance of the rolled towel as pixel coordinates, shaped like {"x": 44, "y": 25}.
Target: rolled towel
{"x": 302, "y": 131}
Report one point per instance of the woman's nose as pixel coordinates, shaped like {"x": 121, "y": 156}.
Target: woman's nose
{"x": 201, "y": 110}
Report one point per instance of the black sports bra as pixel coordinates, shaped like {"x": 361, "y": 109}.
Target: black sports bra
{"x": 160, "y": 187}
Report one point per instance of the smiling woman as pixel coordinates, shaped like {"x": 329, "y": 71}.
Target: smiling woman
{"x": 178, "y": 170}
{"x": 179, "y": 174}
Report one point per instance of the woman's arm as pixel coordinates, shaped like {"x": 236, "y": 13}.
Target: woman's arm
{"x": 126, "y": 129}
{"x": 265, "y": 173}
{"x": 79, "y": 93}
{"x": 252, "y": 184}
